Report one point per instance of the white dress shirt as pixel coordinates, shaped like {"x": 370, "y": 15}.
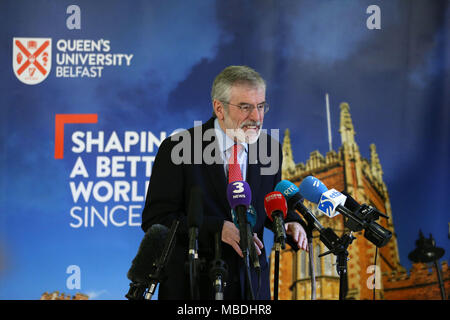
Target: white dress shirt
{"x": 225, "y": 145}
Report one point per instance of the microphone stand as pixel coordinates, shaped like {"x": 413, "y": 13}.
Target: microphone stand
{"x": 193, "y": 278}
{"x": 336, "y": 245}
{"x": 248, "y": 282}
{"x": 242, "y": 219}
{"x": 309, "y": 230}
{"x": 279, "y": 243}
{"x": 219, "y": 270}
{"x": 193, "y": 264}
{"x": 341, "y": 253}
{"x": 277, "y": 270}
{"x": 312, "y": 223}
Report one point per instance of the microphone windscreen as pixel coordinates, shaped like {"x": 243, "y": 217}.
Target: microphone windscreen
{"x": 273, "y": 202}
{"x": 195, "y": 208}
{"x": 312, "y": 189}
{"x": 287, "y": 188}
{"x": 150, "y": 249}
{"x": 239, "y": 194}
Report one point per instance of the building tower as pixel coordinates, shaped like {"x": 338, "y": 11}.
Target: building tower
{"x": 363, "y": 180}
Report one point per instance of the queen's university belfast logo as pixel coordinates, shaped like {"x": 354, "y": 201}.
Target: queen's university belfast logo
{"x": 32, "y": 59}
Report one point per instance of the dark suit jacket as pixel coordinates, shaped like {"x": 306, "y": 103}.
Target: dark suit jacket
{"x": 168, "y": 199}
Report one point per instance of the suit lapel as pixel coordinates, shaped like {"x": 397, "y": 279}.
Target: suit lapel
{"x": 215, "y": 171}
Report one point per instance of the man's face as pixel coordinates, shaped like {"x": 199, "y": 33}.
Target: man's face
{"x": 245, "y": 127}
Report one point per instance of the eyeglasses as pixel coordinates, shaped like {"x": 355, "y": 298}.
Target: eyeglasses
{"x": 247, "y": 108}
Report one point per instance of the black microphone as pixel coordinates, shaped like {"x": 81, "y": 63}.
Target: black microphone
{"x": 354, "y": 206}
{"x": 350, "y": 203}
{"x": 373, "y": 232}
{"x": 143, "y": 264}
{"x": 195, "y": 220}
{"x": 251, "y": 221}
{"x": 332, "y": 202}
{"x": 159, "y": 267}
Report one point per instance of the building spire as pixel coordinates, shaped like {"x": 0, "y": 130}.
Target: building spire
{"x": 288, "y": 164}
{"x": 346, "y": 129}
{"x": 375, "y": 164}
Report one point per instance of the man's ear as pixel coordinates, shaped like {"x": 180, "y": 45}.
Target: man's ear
{"x": 218, "y": 109}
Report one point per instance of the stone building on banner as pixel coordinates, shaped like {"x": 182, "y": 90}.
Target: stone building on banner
{"x": 346, "y": 170}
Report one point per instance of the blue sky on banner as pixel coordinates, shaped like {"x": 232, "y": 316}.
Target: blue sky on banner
{"x": 394, "y": 80}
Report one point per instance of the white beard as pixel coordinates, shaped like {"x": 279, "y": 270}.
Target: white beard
{"x": 249, "y": 136}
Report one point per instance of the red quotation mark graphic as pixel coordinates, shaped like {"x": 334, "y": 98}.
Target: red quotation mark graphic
{"x": 61, "y": 120}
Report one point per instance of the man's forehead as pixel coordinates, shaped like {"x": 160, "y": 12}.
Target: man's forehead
{"x": 248, "y": 92}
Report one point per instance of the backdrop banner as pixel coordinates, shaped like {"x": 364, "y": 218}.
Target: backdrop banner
{"x": 90, "y": 89}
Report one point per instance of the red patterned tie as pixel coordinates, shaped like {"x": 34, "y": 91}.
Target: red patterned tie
{"x": 234, "y": 169}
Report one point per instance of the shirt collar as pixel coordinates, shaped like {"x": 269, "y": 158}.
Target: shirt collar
{"x": 225, "y": 142}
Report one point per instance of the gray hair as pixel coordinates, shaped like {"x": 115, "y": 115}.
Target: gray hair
{"x": 231, "y": 75}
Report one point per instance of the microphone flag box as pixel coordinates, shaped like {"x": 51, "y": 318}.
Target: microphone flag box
{"x": 251, "y": 216}
{"x": 329, "y": 201}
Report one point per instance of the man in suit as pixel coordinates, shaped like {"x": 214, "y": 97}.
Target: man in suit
{"x": 201, "y": 157}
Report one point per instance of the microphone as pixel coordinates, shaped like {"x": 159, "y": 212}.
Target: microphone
{"x": 143, "y": 264}
{"x": 351, "y": 203}
{"x": 239, "y": 197}
{"x": 161, "y": 262}
{"x": 355, "y": 206}
{"x": 329, "y": 202}
{"x": 329, "y": 238}
{"x": 295, "y": 202}
{"x": 276, "y": 209}
{"x": 359, "y": 217}
{"x": 373, "y": 232}
{"x": 251, "y": 221}
{"x": 195, "y": 220}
